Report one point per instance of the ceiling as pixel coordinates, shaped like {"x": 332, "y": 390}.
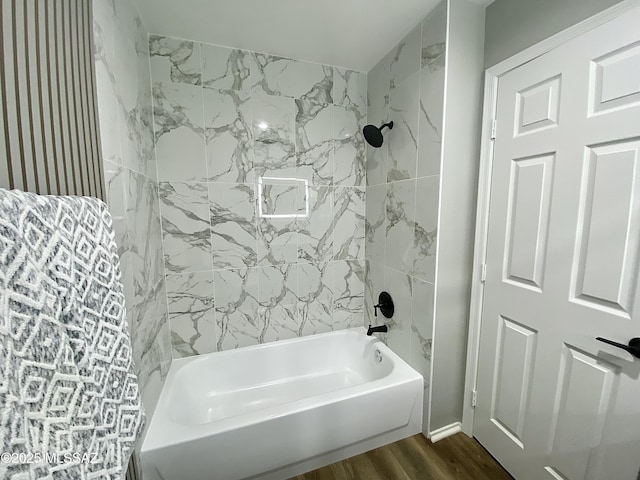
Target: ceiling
{"x": 354, "y": 34}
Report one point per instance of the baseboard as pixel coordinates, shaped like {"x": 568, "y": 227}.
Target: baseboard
{"x": 445, "y": 432}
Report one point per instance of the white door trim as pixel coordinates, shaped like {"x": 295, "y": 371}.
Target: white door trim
{"x": 492, "y": 75}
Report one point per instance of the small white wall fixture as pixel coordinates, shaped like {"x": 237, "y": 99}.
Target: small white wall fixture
{"x": 493, "y": 75}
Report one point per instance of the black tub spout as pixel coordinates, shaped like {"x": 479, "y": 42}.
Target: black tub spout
{"x": 381, "y": 329}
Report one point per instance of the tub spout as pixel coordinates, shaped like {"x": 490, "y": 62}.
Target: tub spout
{"x": 381, "y": 328}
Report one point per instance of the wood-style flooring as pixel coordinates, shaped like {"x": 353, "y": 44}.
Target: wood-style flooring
{"x": 415, "y": 458}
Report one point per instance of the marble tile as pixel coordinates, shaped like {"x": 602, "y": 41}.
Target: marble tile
{"x": 280, "y": 197}
{"x": 315, "y": 229}
{"x": 140, "y": 37}
{"x": 422, "y": 326}
{"x": 273, "y": 118}
{"x": 434, "y": 36}
{"x": 377, "y": 164}
{"x": 403, "y": 139}
{"x": 377, "y": 159}
{"x": 191, "y": 313}
{"x": 116, "y": 196}
{"x": 227, "y": 122}
{"x": 349, "y": 223}
{"x": 378, "y": 93}
{"x": 131, "y": 139}
{"x": 145, "y": 140}
{"x": 185, "y": 227}
{"x": 404, "y": 60}
{"x": 398, "y": 338}
{"x": 127, "y": 142}
{"x": 277, "y": 241}
{"x": 243, "y": 320}
{"x": 109, "y": 113}
{"x": 348, "y": 293}
{"x": 273, "y": 76}
{"x": 273, "y": 132}
{"x": 350, "y": 88}
{"x": 238, "y": 323}
{"x": 179, "y": 132}
{"x": 226, "y": 68}
{"x": 233, "y": 225}
{"x": 274, "y": 160}
{"x": 349, "y": 151}
{"x": 314, "y": 141}
{"x": 134, "y": 102}
{"x": 153, "y": 371}
{"x": 315, "y": 294}
{"x": 124, "y": 67}
{"x": 133, "y": 200}
{"x": 400, "y": 208}
{"x": 146, "y": 145}
{"x": 280, "y": 322}
{"x": 376, "y": 223}
{"x": 313, "y": 82}
{"x": 430, "y": 119}
{"x": 375, "y": 283}
{"x": 277, "y": 285}
{"x": 426, "y": 228}
{"x": 127, "y": 20}
{"x": 378, "y": 86}
{"x": 278, "y": 203}
{"x": 151, "y": 344}
{"x": 174, "y": 60}
{"x": 104, "y": 30}
{"x": 152, "y": 231}
{"x": 144, "y": 235}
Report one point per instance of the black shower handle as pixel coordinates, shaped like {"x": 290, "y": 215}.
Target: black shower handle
{"x": 385, "y": 304}
{"x": 633, "y": 348}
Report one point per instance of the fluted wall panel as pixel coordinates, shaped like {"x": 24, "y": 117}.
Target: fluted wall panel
{"x": 48, "y": 124}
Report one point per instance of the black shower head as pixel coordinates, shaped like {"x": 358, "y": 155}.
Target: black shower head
{"x": 373, "y": 134}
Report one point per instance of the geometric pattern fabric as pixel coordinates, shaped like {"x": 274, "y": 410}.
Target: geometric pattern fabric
{"x": 70, "y": 405}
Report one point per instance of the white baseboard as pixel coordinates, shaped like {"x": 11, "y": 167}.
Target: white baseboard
{"x": 445, "y": 432}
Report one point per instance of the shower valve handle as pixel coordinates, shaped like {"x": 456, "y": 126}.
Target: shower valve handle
{"x": 385, "y": 304}
{"x": 379, "y": 306}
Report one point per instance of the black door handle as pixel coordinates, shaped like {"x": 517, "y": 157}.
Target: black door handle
{"x": 633, "y": 348}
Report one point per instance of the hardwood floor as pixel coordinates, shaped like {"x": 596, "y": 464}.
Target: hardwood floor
{"x": 415, "y": 458}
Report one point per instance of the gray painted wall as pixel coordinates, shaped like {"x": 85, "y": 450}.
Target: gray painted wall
{"x": 458, "y": 191}
{"x": 513, "y": 25}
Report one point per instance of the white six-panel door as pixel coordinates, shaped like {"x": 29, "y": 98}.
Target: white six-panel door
{"x": 563, "y": 261}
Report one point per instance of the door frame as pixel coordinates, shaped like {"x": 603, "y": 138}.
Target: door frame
{"x": 492, "y": 76}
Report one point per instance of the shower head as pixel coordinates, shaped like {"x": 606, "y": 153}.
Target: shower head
{"x": 373, "y": 134}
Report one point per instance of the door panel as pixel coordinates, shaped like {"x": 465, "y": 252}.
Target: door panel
{"x": 514, "y": 360}
{"x": 605, "y": 270}
{"x": 563, "y": 259}
{"x": 586, "y": 385}
{"x": 615, "y": 79}
{"x": 538, "y": 106}
{"x": 529, "y": 203}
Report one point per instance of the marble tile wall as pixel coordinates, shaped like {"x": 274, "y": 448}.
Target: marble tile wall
{"x": 261, "y": 168}
{"x": 125, "y": 117}
{"x": 406, "y": 86}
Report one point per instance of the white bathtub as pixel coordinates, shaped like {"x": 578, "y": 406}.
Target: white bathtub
{"x": 277, "y": 410}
